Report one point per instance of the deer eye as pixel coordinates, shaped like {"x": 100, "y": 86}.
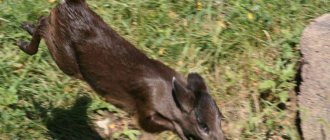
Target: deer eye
{"x": 203, "y": 127}
{"x": 201, "y": 122}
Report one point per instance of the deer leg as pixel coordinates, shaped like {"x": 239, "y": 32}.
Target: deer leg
{"x": 31, "y": 48}
{"x": 155, "y": 122}
{"x": 29, "y": 27}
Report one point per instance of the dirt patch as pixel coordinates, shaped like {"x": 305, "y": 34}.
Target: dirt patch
{"x": 314, "y": 96}
{"x": 108, "y": 123}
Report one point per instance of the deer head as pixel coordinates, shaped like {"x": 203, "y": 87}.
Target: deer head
{"x": 201, "y": 118}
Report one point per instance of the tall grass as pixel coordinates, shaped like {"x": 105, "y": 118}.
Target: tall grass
{"x": 247, "y": 50}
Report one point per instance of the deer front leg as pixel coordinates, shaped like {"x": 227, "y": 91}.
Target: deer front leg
{"x": 155, "y": 122}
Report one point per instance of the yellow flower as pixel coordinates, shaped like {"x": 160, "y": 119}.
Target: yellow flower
{"x": 221, "y": 24}
{"x": 199, "y": 5}
{"x": 161, "y": 51}
{"x": 250, "y": 16}
{"x": 51, "y": 1}
{"x": 112, "y": 126}
{"x": 180, "y": 63}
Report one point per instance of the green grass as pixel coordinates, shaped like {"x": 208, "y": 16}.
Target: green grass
{"x": 247, "y": 50}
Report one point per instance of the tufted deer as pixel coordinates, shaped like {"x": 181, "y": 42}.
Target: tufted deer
{"x": 85, "y": 47}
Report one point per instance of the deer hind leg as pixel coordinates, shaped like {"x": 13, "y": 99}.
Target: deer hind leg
{"x": 31, "y": 48}
{"x": 29, "y": 27}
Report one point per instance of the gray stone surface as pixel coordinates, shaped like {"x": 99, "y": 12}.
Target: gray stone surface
{"x": 314, "y": 97}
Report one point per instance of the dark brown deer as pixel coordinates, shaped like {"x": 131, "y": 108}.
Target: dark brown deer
{"x": 85, "y": 47}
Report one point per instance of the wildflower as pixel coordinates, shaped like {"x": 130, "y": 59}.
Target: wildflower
{"x": 199, "y": 5}
{"x": 221, "y": 24}
{"x": 51, "y": 1}
{"x": 250, "y": 16}
{"x": 161, "y": 51}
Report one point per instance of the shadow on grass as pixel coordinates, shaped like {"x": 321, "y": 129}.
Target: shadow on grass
{"x": 72, "y": 123}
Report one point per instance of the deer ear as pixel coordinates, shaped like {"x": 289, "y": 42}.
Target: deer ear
{"x": 196, "y": 83}
{"x": 183, "y": 98}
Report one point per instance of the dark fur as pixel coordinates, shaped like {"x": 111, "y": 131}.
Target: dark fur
{"x": 85, "y": 47}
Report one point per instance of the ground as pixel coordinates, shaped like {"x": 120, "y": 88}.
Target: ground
{"x": 247, "y": 50}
